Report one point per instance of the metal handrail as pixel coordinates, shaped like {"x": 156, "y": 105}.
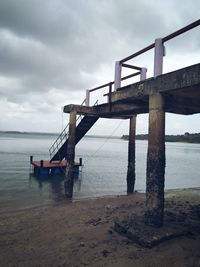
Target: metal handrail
{"x": 138, "y": 53}
{"x": 130, "y": 76}
{"x": 58, "y": 141}
{"x": 108, "y": 84}
{"x": 131, "y": 66}
{"x": 61, "y": 139}
{"x": 147, "y": 48}
{"x": 64, "y": 135}
{"x": 182, "y": 30}
{"x": 101, "y": 86}
{"x": 164, "y": 39}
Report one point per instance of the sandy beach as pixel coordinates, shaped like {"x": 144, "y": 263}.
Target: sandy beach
{"x": 80, "y": 233}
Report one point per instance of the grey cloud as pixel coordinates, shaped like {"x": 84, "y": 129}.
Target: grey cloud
{"x": 43, "y": 20}
{"x": 38, "y": 66}
{"x": 63, "y": 44}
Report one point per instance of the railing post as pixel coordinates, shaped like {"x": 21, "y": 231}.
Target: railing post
{"x": 87, "y": 98}
{"x": 109, "y": 96}
{"x": 143, "y": 74}
{"x": 118, "y": 71}
{"x": 158, "y": 57}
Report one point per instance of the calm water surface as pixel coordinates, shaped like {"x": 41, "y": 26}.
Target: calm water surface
{"x": 104, "y": 171}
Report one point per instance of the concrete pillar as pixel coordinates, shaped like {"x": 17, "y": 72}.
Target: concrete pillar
{"x": 109, "y": 97}
{"x": 69, "y": 180}
{"x": 155, "y": 162}
{"x": 87, "y": 98}
{"x": 158, "y": 57}
{"x": 131, "y": 156}
{"x": 118, "y": 73}
{"x": 41, "y": 163}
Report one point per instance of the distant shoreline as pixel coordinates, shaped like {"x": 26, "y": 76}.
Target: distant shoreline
{"x": 186, "y": 138}
{"x": 19, "y": 132}
{"x": 56, "y": 134}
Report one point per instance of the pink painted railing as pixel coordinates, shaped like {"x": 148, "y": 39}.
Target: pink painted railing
{"x": 158, "y": 62}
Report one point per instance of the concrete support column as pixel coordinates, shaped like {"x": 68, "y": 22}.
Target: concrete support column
{"x": 69, "y": 180}
{"x": 131, "y": 156}
{"x": 155, "y": 162}
{"x": 118, "y": 73}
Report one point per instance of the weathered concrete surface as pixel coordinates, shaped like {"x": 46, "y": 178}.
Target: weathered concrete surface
{"x": 155, "y": 162}
{"x": 70, "y": 155}
{"x": 181, "y": 87}
{"x": 131, "y": 156}
{"x": 121, "y": 110}
{"x": 181, "y": 218}
{"x": 135, "y": 229}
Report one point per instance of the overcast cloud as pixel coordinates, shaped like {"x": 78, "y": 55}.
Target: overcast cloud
{"x": 51, "y": 51}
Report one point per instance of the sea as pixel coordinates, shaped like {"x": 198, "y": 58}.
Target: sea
{"x": 103, "y": 173}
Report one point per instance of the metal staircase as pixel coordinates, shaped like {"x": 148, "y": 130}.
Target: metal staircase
{"x": 59, "y": 148}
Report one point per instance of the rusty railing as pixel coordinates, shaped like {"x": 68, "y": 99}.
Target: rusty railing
{"x": 158, "y": 62}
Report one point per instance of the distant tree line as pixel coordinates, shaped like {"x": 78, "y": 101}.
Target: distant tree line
{"x": 187, "y": 137}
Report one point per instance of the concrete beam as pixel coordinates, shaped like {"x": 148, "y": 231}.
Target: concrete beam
{"x": 180, "y": 88}
{"x": 109, "y": 110}
{"x": 186, "y": 78}
{"x": 83, "y": 110}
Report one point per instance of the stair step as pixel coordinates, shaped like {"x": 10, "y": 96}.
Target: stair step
{"x": 82, "y": 128}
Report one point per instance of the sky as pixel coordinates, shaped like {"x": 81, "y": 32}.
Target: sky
{"x": 51, "y": 51}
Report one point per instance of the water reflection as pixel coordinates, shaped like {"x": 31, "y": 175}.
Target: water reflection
{"x": 185, "y": 148}
{"x": 104, "y": 172}
{"x": 194, "y": 150}
{"x": 55, "y": 185}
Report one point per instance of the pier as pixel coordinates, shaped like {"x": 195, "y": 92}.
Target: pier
{"x": 176, "y": 92}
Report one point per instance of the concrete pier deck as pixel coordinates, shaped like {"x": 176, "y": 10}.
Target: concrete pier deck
{"x": 180, "y": 90}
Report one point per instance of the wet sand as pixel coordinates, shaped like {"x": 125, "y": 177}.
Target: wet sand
{"x": 80, "y": 233}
